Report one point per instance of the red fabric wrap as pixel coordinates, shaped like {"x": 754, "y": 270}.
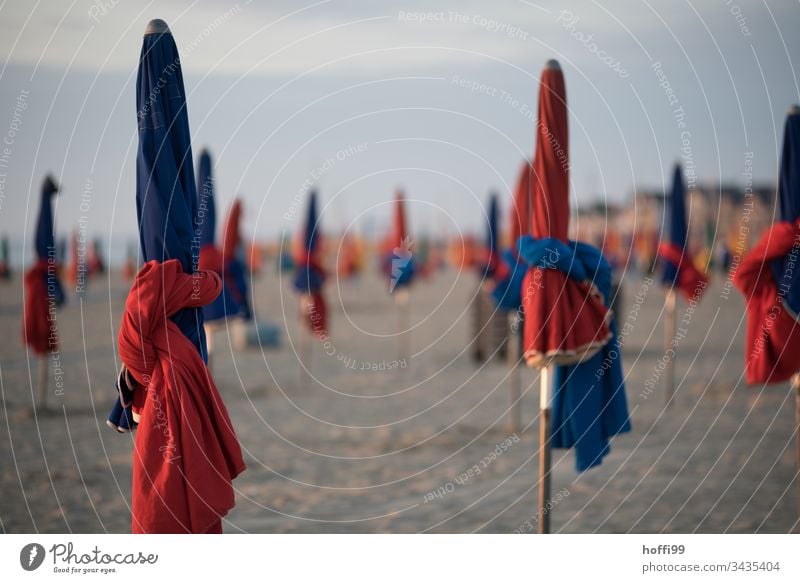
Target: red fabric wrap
{"x": 564, "y": 321}
{"x": 36, "y": 324}
{"x": 772, "y": 342}
{"x": 186, "y": 453}
{"x": 317, "y": 315}
{"x": 232, "y": 237}
{"x": 210, "y": 259}
{"x": 691, "y": 281}
{"x": 521, "y": 211}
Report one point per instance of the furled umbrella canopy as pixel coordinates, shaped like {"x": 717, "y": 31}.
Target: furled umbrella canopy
{"x": 235, "y": 271}
{"x": 491, "y": 254}
{"x": 43, "y": 289}
{"x": 567, "y": 294}
{"x": 205, "y": 228}
{"x": 186, "y": 453}
{"x": 768, "y": 277}
{"x": 565, "y": 320}
{"x": 401, "y": 266}
{"x": 310, "y": 276}
{"x": 679, "y": 269}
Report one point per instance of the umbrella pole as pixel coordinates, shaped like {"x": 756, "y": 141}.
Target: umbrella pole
{"x": 512, "y": 352}
{"x": 670, "y": 314}
{"x": 403, "y": 323}
{"x": 209, "y": 343}
{"x": 304, "y": 370}
{"x": 42, "y": 404}
{"x": 545, "y": 420}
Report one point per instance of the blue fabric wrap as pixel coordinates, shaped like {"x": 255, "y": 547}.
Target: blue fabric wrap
{"x": 401, "y": 269}
{"x": 788, "y": 276}
{"x": 589, "y": 403}
{"x": 677, "y": 224}
{"x": 308, "y": 280}
{"x": 507, "y": 292}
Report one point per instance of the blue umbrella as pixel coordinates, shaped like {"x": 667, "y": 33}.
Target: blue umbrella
{"x": 44, "y": 242}
{"x": 492, "y": 236}
{"x": 677, "y": 225}
{"x": 205, "y": 229}
{"x": 166, "y": 194}
{"x": 309, "y": 277}
{"x": 206, "y": 208}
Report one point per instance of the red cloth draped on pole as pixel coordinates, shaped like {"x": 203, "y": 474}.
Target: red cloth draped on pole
{"x": 186, "y": 453}
{"x": 565, "y": 321}
{"x": 691, "y": 282}
{"x": 521, "y": 211}
{"x": 36, "y": 331}
{"x": 772, "y": 342}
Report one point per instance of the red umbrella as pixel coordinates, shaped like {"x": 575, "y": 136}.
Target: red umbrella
{"x": 565, "y": 322}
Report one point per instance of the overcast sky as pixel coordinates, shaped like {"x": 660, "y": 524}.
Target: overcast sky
{"x": 363, "y": 97}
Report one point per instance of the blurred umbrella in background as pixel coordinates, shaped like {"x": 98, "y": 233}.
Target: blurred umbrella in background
{"x": 211, "y": 258}
{"x": 402, "y": 270}
{"x": 679, "y": 272}
{"x": 310, "y": 276}
{"x": 769, "y": 278}
{"x": 233, "y": 257}
{"x": 185, "y": 453}
{"x": 308, "y": 281}
{"x": 43, "y": 291}
{"x": 567, "y": 291}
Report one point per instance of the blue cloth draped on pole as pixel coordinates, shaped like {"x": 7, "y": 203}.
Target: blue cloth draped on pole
{"x": 507, "y": 292}
{"x": 589, "y": 403}
{"x": 45, "y": 241}
{"x": 788, "y": 276}
{"x": 677, "y": 225}
{"x": 166, "y": 194}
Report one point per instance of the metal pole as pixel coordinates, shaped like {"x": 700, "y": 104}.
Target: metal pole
{"x": 209, "y": 343}
{"x": 403, "y": 322}
{"x": 670, "y": 314}
{"x": 545, "y": 412}
{"x": 512, "y": 353}
{"x": 42, "y": 404}
{"x": 304, "y": 370}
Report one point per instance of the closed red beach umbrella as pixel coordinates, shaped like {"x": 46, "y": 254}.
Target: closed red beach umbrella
{"x": 565, "y": 321}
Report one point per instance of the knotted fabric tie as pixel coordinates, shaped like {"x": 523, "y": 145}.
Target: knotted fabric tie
{"x": 36, "y": 326}
{"x": 186, "y": 453}
{"x": 690, "y": 281}
{"x": 772, "y": 342}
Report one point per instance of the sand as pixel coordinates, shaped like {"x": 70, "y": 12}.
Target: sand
{"x": 364, "y": 435}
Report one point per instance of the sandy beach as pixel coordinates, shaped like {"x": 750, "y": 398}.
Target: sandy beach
{"x": 356, "y": 435}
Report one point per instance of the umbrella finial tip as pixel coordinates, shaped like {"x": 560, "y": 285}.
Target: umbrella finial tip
{"x": 794, "y": 109}
{"x": 156, "y": 26}
{"x": 553, "y": 64}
